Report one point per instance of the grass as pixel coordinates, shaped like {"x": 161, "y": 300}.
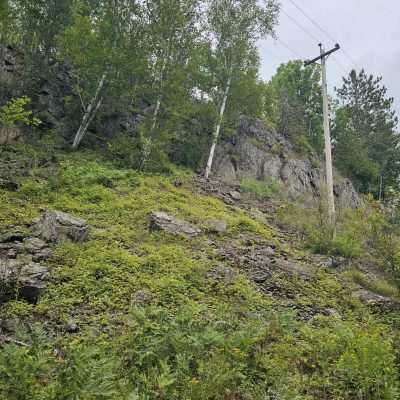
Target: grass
{"x": 193, "y": 337}
{"x": 376, "y": 285}
{"x": 261, "y": 190}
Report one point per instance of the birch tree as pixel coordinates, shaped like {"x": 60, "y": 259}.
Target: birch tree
{"x": 234, "y": 27}
{"x": 172, "y": 27}
{"x": 96, "y": 46}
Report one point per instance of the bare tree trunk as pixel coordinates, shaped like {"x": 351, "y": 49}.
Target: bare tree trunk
{"x": 218, "y": 126}
{"x": 90, "y": 112}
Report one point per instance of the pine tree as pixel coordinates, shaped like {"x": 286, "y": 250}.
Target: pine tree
{"x": 365, "y": 140}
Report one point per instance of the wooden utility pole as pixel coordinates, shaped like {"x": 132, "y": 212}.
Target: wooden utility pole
{"x": 328, "y": 148}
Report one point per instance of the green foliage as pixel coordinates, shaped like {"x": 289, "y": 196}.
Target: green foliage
{"x": 35, "y": 373}
{"x": 376, "y": 285}
{"x": 293, "y": 103}
{"x": 366, "y": 141}
{"x": 152, "y": 321}
{"x": 14, "y": 113}
{"x": 302, "y": 145}
{"x": 261, "y": 190}
{"x": 346, "y": 361}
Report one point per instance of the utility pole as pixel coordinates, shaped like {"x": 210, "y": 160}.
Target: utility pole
{"x": 328, "y": 148}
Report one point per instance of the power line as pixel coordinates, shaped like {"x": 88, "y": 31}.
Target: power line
{"x": 297, "y": 54}
{"x": 313, "y": 37}
{"x": 313, "y": 22}
{"x": 324, "y": 31}
{"x": 340, "y": 65}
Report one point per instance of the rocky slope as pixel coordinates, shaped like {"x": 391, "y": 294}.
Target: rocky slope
{"x": 260, "y": 153}
{"x": 182, "y": 288}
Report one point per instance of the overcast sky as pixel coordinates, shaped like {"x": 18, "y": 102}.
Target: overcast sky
{"x": 368, "y": 30}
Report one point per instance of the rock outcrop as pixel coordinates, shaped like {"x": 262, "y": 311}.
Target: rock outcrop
{"x": 23, "y": 272}
{"x": 259, "y": 153}
{"x": 54, "y": 226}
{"x": 164, "y": 222}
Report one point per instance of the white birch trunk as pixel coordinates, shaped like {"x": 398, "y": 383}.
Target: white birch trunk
{"x": 218, "y": 127}
{"x": 90, "y": 112}
{"x": 158, "y": 103}
{"x": 155, "y": 113}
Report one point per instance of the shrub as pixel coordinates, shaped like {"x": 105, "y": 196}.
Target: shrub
{"x": 376, "y": 285}
{"x": 15, "y": 112}
{"x": 261, "y": 190}
{"x": 346, "y": 361}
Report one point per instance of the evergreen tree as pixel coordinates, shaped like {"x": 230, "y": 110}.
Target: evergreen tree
{"x": 365, "y": 140}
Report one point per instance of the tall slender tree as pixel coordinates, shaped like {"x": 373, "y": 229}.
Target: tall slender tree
{"x": 172, "y": 28}
{"x": 234, "y": 28}
{"x": 95, "y": 44}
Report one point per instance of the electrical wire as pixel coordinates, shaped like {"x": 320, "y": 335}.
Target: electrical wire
{"x": 325, "y": 32}
{"x": 296, "y": 53}
{"x": 313, "y": 37}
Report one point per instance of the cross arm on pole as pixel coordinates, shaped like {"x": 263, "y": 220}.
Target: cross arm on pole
{"x": 320, "y": 57}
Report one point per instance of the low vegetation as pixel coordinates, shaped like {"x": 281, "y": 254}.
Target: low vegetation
{"x": 261, "y": 190}
{"x": 154, "y": 325}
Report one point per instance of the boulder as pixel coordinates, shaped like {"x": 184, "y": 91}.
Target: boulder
{"x": 163, "y": 222}
{"x": 55, "y": 226}
{"x": 215, "y": 226}
{"x": 235, "y": 195}
{"x": 23, "y": 277}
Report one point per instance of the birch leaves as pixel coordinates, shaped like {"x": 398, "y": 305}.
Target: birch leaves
{"x": 235, "y": 27}
{"x": 149, "y": 50}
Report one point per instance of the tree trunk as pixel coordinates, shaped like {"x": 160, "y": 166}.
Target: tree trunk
{"x": 380, "y": 186}
{"x": 155, "y": 113}
{"x": 90, "y": 112}
{"x": 218, "y": 127}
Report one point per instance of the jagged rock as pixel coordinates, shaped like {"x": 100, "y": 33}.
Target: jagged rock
{"x": 21, "y": 271}
{"x": 9, "y": 325}
{"x": 262, "y": 154}
{"x": 164, "y": 222}
{"x": 24, "y": 277}
{"x": 216, "y": 226}
{"x": 55, "y": 226}
{"x": 269, "y": 270}
{"x": 375, "y": 300}
{"x": 235, "y": 195}
{"x": 12, "y": 236}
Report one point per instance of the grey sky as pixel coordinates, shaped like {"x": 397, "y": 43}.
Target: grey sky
{"x": 368, "y": 30}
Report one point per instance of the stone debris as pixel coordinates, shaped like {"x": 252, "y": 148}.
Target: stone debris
{"x": 163, "y": 222}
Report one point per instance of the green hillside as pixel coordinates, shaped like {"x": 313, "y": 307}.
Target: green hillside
{"x": 164, "y": 316}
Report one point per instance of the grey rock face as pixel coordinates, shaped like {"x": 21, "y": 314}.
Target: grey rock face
{"x": 164, "y": 222}
{"x": 20, "y": 273}
{"x": 262, "y": 154}
{"x": 21, "y": 255}
{"x": 54, "y": 226}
